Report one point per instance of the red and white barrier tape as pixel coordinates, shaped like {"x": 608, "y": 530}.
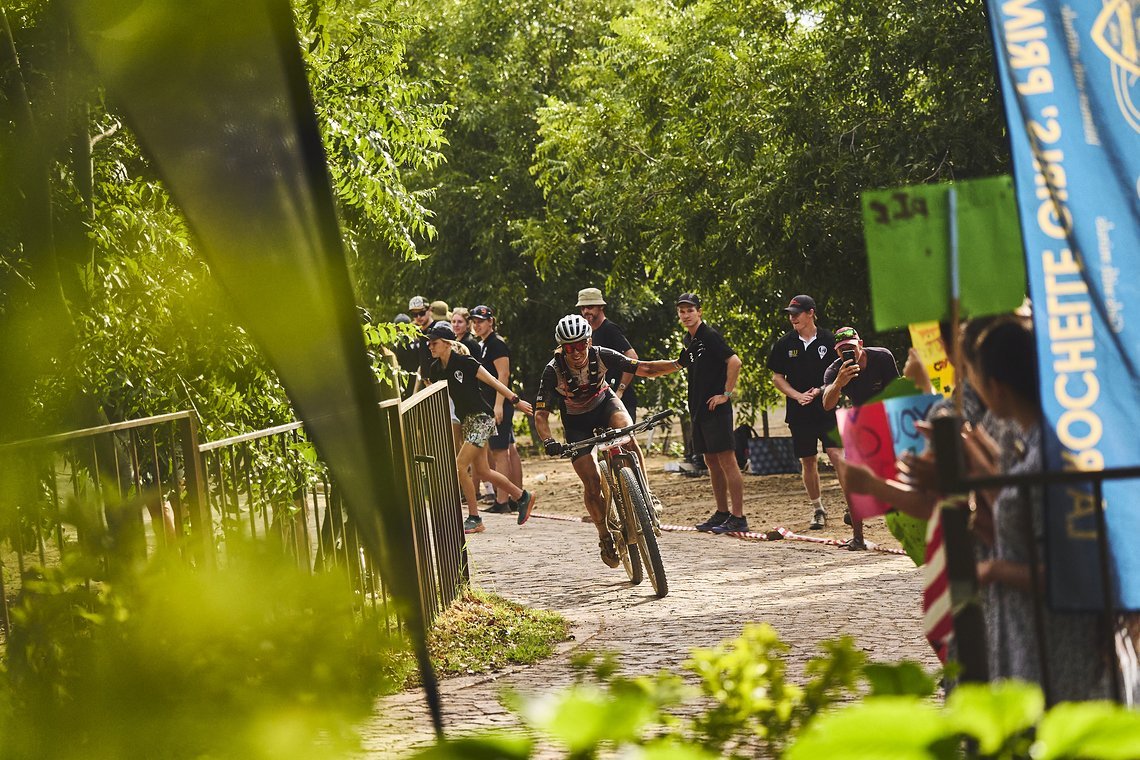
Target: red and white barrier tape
{"x": 785, "y": 534}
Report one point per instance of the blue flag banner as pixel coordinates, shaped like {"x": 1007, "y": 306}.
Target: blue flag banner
{"x": 1070, "y": 77}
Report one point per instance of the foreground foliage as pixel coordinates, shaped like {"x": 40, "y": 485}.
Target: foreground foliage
{"x": 749, "y": 707}
{"x": 260, "y": 659}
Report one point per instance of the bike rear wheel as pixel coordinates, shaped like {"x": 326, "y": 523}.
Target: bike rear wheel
{"x": 627, "y": 552}
{"x": 646, "y": 539}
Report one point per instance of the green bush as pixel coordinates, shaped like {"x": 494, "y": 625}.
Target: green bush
{"x": 260, "y": 659}
{"x": 750, "y": 708}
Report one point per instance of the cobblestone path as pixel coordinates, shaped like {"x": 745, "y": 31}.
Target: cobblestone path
{"x": 717, "y": 585}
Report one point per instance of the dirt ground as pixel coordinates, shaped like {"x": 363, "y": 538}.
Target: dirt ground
{"x": 770, "y": 501}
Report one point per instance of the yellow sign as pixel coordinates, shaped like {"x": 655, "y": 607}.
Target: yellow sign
{"x": 925, "y": 338}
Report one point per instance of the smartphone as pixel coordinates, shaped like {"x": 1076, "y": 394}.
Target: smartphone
{"x": 848, "y": 354}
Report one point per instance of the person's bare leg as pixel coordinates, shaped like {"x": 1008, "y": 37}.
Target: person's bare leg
{"x": 501, "y": 459}
{"x": 162, "y": 521}
{"x": 516, "y": 473}
{"x": 722, "y": 468}
{"x": 488, "y": 456}
{"x": 719, "y": 484}
{"x": 468, "y": 453}
{"x": 497, "y": 479}
{"x": 810, "y": 467}
{"x": 856, "y": 525}
{"x": 587, "y": 470}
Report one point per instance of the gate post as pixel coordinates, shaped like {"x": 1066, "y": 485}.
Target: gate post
{"x": 201, "y": 526}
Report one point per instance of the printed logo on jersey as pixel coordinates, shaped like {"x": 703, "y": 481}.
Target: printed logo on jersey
{"x": 459, "y": 375}
{"x": 793, "y": 353}
{"x": 822, "y": 351}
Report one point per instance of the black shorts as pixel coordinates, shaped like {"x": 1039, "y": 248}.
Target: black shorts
{"x": 504, "y": 434}
{"x": 712, "y": 435}
{"x": 579, "y": 427}
{"x": 806, "y": 436}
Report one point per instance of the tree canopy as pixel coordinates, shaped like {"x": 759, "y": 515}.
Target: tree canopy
{"x": 715, "y": 146}
{"x": 510, "y": 152}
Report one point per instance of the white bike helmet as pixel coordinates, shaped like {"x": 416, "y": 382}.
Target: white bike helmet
{"x": 571, "y": 329}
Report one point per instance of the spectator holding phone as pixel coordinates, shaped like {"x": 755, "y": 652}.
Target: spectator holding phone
{"x": 860, "y": 373}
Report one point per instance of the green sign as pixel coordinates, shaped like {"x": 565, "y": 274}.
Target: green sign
{"x": 908, "y": 251}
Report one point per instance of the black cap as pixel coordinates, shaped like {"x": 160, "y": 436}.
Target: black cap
{"x": 482, "y": 312}
{"x": 402, "y": 319}
{"x": 800, "y": 304}
{"x": 441, "y": 330}
{"x": 690, "y": 298}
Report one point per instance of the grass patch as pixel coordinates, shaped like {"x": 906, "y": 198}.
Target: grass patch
{"x": 481, "y": 632}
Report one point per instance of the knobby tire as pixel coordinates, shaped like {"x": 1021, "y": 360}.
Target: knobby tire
{"x": 646, "y": 539}
{"x": 612, "y": 501}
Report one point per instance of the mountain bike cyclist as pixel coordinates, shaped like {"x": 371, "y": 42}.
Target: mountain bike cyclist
{"x": 574, "y": 381}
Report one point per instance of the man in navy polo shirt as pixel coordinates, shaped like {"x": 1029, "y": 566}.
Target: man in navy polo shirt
{"x": 798, "y": 362}
{"x": 713, "y": 368}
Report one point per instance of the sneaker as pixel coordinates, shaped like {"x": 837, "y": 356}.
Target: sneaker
{"x": 853, "y": 545}
{"x": 526, "y": 506}
{"x": 847, "y": 517}
{"x": 717, "y": 518}
{"x": 498, "y": 508}
{"x": 487, "y": 498}
{"x": 818, "y": 520}
{"x": 609, "y": 551}
{"x": 733, "y": 524}
{"x": 473, "y": 524}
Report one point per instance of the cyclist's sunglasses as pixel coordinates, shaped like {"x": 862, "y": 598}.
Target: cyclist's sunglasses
{"x": 578, "y": 347}
{"x": 418, "y": 312}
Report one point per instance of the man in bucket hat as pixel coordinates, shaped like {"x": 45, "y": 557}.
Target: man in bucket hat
{"x": 606, "y": 334}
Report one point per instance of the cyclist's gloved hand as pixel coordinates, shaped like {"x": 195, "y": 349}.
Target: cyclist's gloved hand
{"x": 553, "y": 447}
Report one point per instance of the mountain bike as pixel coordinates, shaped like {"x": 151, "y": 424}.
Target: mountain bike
{"x": 631, "y": 519}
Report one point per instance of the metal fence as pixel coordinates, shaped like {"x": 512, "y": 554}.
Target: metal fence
{"x": 1119, "y": 629}
{"x": 437, "y": 514}
{"x": 134, "y": 488}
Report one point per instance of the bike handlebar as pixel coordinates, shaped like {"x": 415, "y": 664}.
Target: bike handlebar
{"x": 609, "y": 435}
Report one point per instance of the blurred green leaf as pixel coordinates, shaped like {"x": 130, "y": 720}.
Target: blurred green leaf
{"x": 898, "y": 679}
{"x": 900, "y": 728}
{"x": 584, "y": 716}
{"x": 486, "y": 746}
{"x": 995, "y": 714}
{"x": 1090, "y": 730}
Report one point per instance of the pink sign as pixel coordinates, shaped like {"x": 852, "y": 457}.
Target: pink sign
{"x": 867, "y": 441}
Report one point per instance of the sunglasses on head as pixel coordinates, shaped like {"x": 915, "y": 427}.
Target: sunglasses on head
{"x": 575, "y": 348}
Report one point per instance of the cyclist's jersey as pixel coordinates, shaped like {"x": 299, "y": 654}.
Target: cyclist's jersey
{"x": 580, "y": 390}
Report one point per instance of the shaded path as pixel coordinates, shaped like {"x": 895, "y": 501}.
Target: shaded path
{"x": 717, "y": 584}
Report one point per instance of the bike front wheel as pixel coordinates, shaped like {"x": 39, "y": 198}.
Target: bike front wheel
{"x": 627, "y": 552}
{"x": 642, "y": 527}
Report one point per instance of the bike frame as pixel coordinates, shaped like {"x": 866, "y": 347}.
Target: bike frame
{"x": 626, "y": 498}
